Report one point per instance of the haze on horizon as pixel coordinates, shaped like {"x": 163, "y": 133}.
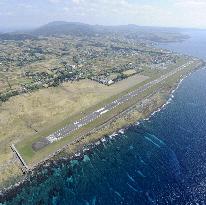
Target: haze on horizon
{"x": 18, "y": 14}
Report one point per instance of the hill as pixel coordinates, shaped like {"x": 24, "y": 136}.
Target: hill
{"x": 64, "y": 28}
{"x": 130, "y": 31}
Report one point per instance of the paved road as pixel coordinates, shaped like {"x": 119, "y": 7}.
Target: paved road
{"x": 67, "y": 130}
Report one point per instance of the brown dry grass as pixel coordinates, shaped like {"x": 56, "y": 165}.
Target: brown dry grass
{"x": 130, "y": 72}
{"x": 43, "y": 65}
{"x": 23, "y": 115}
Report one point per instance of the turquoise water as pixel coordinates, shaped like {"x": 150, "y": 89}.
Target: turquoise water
{"x": 159, "y": 161}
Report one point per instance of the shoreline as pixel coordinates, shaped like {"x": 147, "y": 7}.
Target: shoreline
{"x": 170, "y": 97}
{"x": 81, "y": 150}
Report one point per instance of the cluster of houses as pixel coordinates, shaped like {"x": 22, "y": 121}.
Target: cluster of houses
{"x": 103, "y": 60}
{"x": 103, "y": 80}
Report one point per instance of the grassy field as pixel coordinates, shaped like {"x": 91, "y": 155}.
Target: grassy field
{"x": 34, "y": 114}
{"x": 129, "y": 72}
{"x": 27, "y": 117}
{"x": 32, "y": 157}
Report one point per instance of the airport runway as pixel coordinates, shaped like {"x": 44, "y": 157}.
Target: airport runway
{"x": 67, "y": 130}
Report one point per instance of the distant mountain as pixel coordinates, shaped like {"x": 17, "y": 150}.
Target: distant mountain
{"x": 64, "y": 28}
{"x": 130, "y": 31}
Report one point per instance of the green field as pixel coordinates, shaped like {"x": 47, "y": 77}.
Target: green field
{"x": 32, "y": 157}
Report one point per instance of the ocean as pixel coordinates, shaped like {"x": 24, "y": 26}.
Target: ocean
{"x": 157, "y": 161}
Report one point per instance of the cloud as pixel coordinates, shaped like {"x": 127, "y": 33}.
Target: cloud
{"x": 55, "y": 1}
{"x": 8, "y": 13}
{"x": 77, "y": 1}
{"x": 116, "y": 12}
{"x": 178, "y": 13}
{"x": 191, "y": 12}
{"x": 25, "y": 6}
{"x": 190, "y": 3}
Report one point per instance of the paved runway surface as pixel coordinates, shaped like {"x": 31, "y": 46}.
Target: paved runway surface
{"x": 67, "y": 130}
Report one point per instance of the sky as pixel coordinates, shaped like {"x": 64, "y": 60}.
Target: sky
{"x": 170, "y": 13}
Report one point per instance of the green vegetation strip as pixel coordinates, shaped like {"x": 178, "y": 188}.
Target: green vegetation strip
{"x": 32, "y": 157}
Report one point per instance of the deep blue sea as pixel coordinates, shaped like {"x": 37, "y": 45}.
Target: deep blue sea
{"x": 159, "y": 161}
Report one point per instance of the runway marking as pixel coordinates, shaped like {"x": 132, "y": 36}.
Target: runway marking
{"x": 59, "y": 134}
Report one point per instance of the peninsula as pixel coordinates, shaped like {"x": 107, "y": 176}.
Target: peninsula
{"x": 68, "y": 85}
